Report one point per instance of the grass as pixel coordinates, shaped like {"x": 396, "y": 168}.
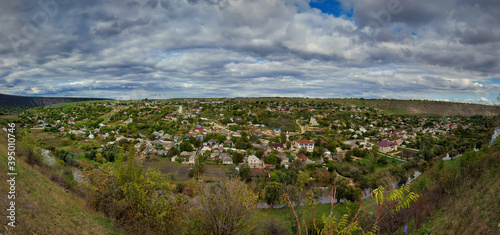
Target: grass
{"x": 43, "y": 207}
{"x": 9, "y": 117}
{"x": 476, "y": 210}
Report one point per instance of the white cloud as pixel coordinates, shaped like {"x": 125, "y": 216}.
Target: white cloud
{"x": 253, "y": 48}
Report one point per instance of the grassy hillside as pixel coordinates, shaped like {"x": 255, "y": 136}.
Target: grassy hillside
{"x": 42, "y": 207}
{"x": 460, "y": 196}
{"x": 391, "y": 106}
{"x": 424, "y": 107}
{"x": 475, "y": 209}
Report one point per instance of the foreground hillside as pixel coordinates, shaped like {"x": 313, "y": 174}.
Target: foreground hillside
{"x": 43, "y": 207}
{"x": 473, "y": 206}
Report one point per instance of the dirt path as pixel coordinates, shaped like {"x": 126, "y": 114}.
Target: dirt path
{"x": 302, "y": 129}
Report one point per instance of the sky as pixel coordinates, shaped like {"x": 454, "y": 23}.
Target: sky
{"x": 401, "y": 49}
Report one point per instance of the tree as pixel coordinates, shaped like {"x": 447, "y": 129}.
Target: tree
{"x": 288, "y": 145}
{"x": 272, "y": 159}
{"x": 174, "y": 151}
{"x": 238, "y": 157}
{"x": 110, "y": 152}
{"x": 225, "y": 208}
{"x": 245, "y": 173}
{"x": 27, "y": 147}
{"x": 272, "y": 193}
{"x": 283, "y": 137}
{"x": 231, "y": 171}
{"x": 186, "y": 146}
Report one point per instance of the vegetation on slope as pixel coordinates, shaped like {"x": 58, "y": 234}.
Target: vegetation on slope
{"x": 462, "y": 196}
{"x": 43, "y": 207}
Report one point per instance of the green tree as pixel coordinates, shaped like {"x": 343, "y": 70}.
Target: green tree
{"x": 238, "y": 157}
{"x": 186, "y": 146}
{"x": 272, "y": 193}
{"x": 272, "y": 159}
{"x": 27, "y": 147}
{"x": 174, "y": 151}
{"x": 245, "y": 172}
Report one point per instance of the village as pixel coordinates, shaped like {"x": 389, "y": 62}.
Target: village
{"x": 209, "y": 140}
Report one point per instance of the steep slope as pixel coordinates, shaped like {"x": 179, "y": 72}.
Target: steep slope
{"x": 24, "y": 101}
{"x": 476, "y": 208}
{"x": 42, "y": 207}
{"x": 425, "y": 107}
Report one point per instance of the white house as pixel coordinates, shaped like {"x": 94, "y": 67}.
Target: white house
{"x": 303, "y": 143}
{"x": 255, "y": 162}
{"x": 192, "y": 160}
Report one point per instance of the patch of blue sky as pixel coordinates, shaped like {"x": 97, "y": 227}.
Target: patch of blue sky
{"x": 383, "y": 69}
{"x": 168, "y": 54}
{"x": 261, "y": 61}
{"x": 398, "y": 29}
{"x": 490, "y": 81}
{"x": 332, "y": 7}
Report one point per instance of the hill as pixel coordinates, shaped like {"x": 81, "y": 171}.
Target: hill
{"x": 43, "y": 207}
{"x": 425, "y": 107}
{"x": 388, "y": 106}
{"x": 28, "y": 102}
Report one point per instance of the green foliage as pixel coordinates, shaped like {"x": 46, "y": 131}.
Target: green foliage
{"x": 272, "y": 159}
{"x": 174, "y": 151}
{"x": 238, "y": 157}
{"x": 66, "y": 156}
{"x": 110, "y": 152}
{"x": 186, "y": 146}
{"x": 391, "y": 202}
{"x": 27, "y": 147}
{"x": 138, "y": 200}
{"x": 272, "y": 193}
{"x": 245, "y": 173}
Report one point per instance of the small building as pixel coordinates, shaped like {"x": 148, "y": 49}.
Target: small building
{"x": 192, "y": 160}
{"x": 227, "y": 160}
{"x": 302, "y": 157}
{"x": 278, "y": 146}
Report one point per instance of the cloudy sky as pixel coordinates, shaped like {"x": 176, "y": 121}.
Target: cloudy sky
{"x": 403, "y": 49}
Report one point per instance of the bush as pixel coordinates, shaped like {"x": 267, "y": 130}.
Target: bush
{"x": 139, "y": 201}
{"x": 179, "y": 188}
{"x": 27, "y": 148}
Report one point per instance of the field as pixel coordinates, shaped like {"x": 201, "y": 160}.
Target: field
{"x": 50, "y": 140}
{"x": 12, "y": 117}
{"x": 178, "y": 171}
